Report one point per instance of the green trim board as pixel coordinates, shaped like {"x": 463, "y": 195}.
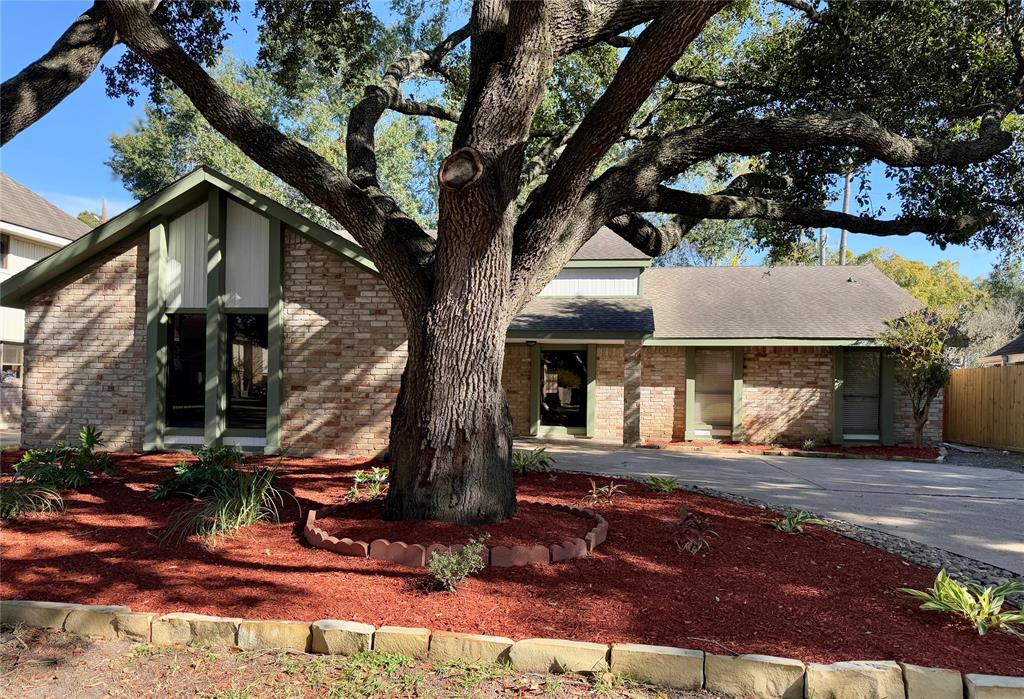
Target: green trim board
{"x": 837, "y": 396}
{"x": 597, "y": 264}
{"x": 216, "y": 326}
{"x": 156, "y": 337}
{"x": 591, "y": 390}
{"x": 275, "y": 337}
{"x": 737, "y": 394}
{"x": 182, "y": 195}
{"x": 887, "y": 400}
{"x": 689, "y": 413}
{"x": 534, "y": 389}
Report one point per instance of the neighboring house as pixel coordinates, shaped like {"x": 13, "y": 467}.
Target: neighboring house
{"x": 30, "y": 229}
{"x": 209, "y": 278}
{"x": 1010, "y": 353}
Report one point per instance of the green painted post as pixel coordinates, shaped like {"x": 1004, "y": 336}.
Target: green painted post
{"x": 691, "y": 396}
{"x": 591, "y": 390}
{"x": 837, "y": 395}
{"x": 887, "y": 407}
{"x": 216, "y": 328}
{"x": 275, "y": 332}
{"x": 156, "y": 337}
{"x": 535, "y": 379}
{"x": 737, "y": 394}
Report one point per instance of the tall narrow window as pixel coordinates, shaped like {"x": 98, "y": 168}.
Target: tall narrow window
{"x": 861, "y": 394}
{"x": 247, "y": 358}
{"x": 12, "y": 356}
{"x": 713, "y": 391}
{"x": 186, "y": 374}
{"x": 5, "y": 250}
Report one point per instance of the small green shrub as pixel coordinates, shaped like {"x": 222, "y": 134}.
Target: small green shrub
{"x": 66, "y": 467}
{"x": 983, "y": 607}
{"x": 794, "y": 524}
{"x": 448, "y": 569}
{"x": 696, "y": 530}
{"x": 214, "y": 467}
{"x": 659, "y": 484}
{"x": 533, "y": 461}
{"x": 602, "y": 495}
{"x": 375, "y": 480}
{"x": 21, "y": 496}
{"x": 248, "y": 499}
{"x": 809, "y": 445}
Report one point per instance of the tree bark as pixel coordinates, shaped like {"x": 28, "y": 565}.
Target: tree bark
{"x": 451, "y": 430}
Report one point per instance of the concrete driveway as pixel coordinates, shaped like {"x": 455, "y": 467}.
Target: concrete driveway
{"x": 974, "y": 512}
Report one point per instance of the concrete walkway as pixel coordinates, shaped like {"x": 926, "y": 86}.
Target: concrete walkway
{"x": 974, "y": 512}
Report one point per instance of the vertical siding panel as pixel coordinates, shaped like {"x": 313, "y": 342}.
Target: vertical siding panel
{"x": 186, "y": 260}
{"x": 247, "y": 257}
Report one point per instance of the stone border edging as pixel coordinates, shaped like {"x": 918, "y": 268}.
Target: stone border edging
{"x": 785, "y": 451}
{"x": 417, "y": 555}
{"x": 756, "y": 676}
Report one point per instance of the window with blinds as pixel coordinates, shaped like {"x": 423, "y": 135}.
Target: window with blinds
{"x": 713, "y": 389}
{"x": 861, "y": 394}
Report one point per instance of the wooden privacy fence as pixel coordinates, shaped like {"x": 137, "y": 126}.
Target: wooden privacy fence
{"x": 985, "y": 407}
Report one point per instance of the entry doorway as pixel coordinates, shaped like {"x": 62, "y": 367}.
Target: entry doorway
{"x": 862, "y": 395}
{"x": 564, "y": 380}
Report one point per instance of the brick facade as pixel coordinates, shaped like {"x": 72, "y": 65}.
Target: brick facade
{"x": 343, "y": 354}
{"x": 787, "y": 394}
{"x": 663, "y": 394}
{"x": 85, "y": 354}
{"x": 608, "y": 416}
{"x": 515, "y": 379}
{"x": 904, "y": 418}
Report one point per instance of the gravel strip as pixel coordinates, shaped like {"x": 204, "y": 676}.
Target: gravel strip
{"x": 984, "y": 458}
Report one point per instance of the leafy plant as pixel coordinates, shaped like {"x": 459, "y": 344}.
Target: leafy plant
{"x": 659, "y": 484}
{"x": 375, "y": 480}
{"x": 696, "y": 530}
{"x": 249, "y": 498}
{"x": 604, "y": 494}
{"x": 809, "y": 445}
{"x": 21, "y": 496}
{"x": 214, "y": 467}
{"x": 794, "y": 524}
{"x": 448, "y": 569}
{"x": 64, "y": 466}
{"x": 983, "y": 607}
{"x": 533, "y": 461}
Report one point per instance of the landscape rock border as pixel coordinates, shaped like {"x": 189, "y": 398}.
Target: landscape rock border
{"x": 755, "y": 676}
{"x": 416, "y": 555}
{"x": 791, "y": 451}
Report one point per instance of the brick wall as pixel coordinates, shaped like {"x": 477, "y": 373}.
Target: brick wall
{"x": 787, "y": 394}
{"x": 904, "y": 418}
{"x": 85, "y": 354}
{"x": 608, "y": 418}
{"x": 515, "y": 379}
{"x": 663, "y": 394}
{"x": 343, "y": 354}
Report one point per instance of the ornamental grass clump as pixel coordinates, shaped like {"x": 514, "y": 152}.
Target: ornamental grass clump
{"x": 449, "y": 569}
{"x": 533, "y": 461}
{"x": 21, "y": 496}
{"x": 215, "y": 467}
{"x": 982, "y": 606}
{"x": 658, "y": 484}
{"x": 375, "y": 480}
{"x": 794, "y": 524}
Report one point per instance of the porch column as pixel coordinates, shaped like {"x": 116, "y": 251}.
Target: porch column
{"x": 216, "y": 327}
{"x": 631, "y": 381}
{"x": 156, "y": 337}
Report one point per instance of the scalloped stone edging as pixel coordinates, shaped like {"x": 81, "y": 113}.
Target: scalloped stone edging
{"x": 754, "y": 676}
{"x": 417, "y": 555}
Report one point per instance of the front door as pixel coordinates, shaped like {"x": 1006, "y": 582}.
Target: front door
{"x": 563, "y": 390}
{"x": 713, "y": 390}
{"x": 861, "y": 394}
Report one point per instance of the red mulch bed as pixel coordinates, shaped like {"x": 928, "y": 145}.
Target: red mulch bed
{"x": 533, "y": 524}
{"x": 875, "y": 452}
{"x": 818, "y": 597}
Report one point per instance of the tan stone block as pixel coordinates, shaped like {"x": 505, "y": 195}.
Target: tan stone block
{"x": 932, "y": 682}
{"x": 557, "y": 655}
{"x": 413, "y": 642}
{"x": 445, "y": 645}
{"x": 661, "y": 665}
{"x": 184, "y": 628}
{"x": 45, "y": 615}
{"x": 333, "y": 637}
{"x": 994, "y": 687}
{"x": 134, "y": 626}
{"x": 879, "y": 679}
{"x": 266, "y": 635}
{"x": 754, "y": 676}
{"x": 87, "y": 622}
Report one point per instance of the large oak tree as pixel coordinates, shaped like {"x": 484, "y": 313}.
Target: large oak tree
{"x": 781, "y": 100}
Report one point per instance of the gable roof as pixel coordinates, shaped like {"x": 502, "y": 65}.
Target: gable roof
{"x": 23, "y": 207}
{"x": 1013, "y": 347}
{"x": 177, "y": 197}
{"x": 817, "y": 303}
{"x": 606, "y": 244}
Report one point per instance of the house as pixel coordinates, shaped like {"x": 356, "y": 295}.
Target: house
{"x": 1010, "y": 353}
{"x": 30, "y": 229}
{"x": 209, "y": 278}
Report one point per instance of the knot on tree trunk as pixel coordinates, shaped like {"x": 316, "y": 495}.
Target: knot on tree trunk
{"x": 461, "y": 169}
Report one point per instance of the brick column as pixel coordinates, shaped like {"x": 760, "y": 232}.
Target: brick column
{"x": 631, "y": 380}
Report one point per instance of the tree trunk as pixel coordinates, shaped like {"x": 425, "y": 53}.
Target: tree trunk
{"x": 919, "y": 424}
{"x": 451, "y": 430}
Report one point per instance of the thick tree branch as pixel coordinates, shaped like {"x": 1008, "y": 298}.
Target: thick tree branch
{"x": 576, "y": 25}
{"x": 40, "y": 86}
{"x": 804, "y": 7}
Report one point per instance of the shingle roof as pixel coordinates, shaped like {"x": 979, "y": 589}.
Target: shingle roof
{"x": 608, "y": 245}
{"x": 23, "y": 207}
{"x": 584, "y": 315}
{"x": 1014, "y": 346}
{"x": 774, "y": 302}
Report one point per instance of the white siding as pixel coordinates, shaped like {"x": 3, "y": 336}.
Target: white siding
{"x": 23, "y": 254}
{"x": 247, "y": 258}
{"x": 186, "y": 260}
{"x": 595, "y": 281}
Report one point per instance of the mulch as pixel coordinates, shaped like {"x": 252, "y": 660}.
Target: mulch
{"x": 818, "y": 597}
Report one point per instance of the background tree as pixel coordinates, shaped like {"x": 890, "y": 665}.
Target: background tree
{"x": 89, "y": 218}
{"x": 780, "y": 99}
{"x": 924, "y": 345}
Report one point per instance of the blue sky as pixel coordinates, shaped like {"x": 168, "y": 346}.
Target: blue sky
{"x": 61, "y": 156}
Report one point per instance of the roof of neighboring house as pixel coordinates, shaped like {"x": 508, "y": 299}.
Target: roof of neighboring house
{"x": 1013, "y": 347}
{"x": 830, "y": 302}
{"x": 23, "y": 207}
{"x": 584, "y": 316}
{"x": 606, "y": 244}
